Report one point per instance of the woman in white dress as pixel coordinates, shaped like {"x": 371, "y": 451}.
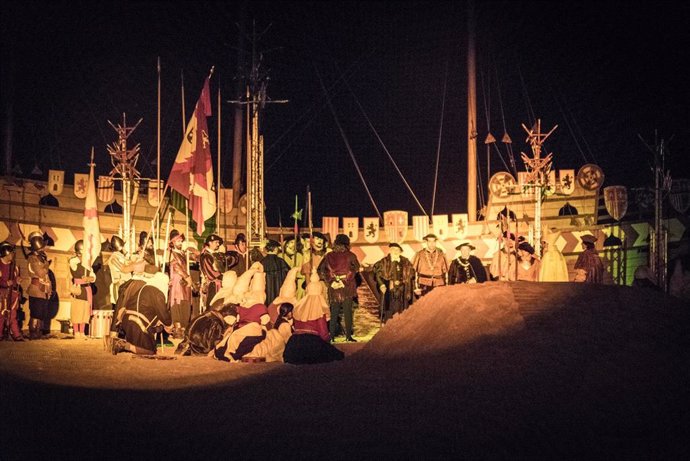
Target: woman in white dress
{"x": 553, "y": 265}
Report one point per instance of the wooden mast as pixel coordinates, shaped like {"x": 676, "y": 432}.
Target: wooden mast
{"x": 471, "y": 117}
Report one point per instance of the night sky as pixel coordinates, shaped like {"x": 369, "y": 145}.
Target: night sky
{"x": 604, "y": 72}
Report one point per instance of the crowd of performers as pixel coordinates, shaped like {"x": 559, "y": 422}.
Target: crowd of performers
{"x": 283, "y": 303}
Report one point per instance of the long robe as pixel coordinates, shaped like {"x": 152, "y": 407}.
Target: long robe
{"x": 276, "y": 270}
{"x": 398, "y": 278}
{"x": 591, "y": 263}
{"x": 469, "y": 270}
{"x": 553, "y": 265}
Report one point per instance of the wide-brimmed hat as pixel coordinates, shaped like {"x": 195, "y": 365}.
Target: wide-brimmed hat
{"x": 465, "y": 243}
{"x": 589, "y": 238}
{"x": 288, "y": 291}
{"x": 430, "y": 236}
{"x": 394, "y": 245}
{"x": 213, "y": 238}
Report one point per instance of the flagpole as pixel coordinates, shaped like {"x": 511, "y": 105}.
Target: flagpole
{"x": 167, "y": 240}
{"x": 218, "y": 185}
{"x": 158, "y": 158}
{"x": 184, "y": 115}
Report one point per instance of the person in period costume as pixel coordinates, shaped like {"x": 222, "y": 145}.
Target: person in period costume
{"x": 82, "y": 301}
{"x": 252, "y": 317}
{"x": 309, "y": 342}
{"x": 338, "y": 269}
{"x": 430, "y": 265}
{"x": 313, "y": 257}
{"x": 287, "y": 294}
{"x": 553, "y": 265}
{"x": 117, "y": 263}
{"x": 180, "y": 295}
{"x": 212, "y": 266}
{"x": 52, "y": 307}
{"x": 503, "y": 263}
{"x": 395, "y": 279}
{"x": 237, "y": 256}
{"x": 466, "y": 268}
{"x": 141, "y": 313}
{"x": 40, "y": 288}
{"x": 528, "y": 265}
{"x": 271, "y": 349}
{"x": 293, "y": 256}
{"x": 275, "y": 268}
{"x": 589, "y": 267}
{"x": 9, "y": 293}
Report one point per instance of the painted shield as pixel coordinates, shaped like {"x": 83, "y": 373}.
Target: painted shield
{"x": 329, "y": 226}
{"x": 550, "y": 186}
{"x": 351, "y": 228}
{"x": 616, "y": 200}
{"x": 420, "y": 227}
{"x": 566, "y": 182}
{"x": 56, "y": 182}
{"x": 371, "y": 229}
{"x": 501, "y": 184}
{"x": 81, "y": 182}
{"x": 395, "y": 223}
{"x": 590, "y": 177}
{"x": 440, "y": 223}
{"x": 152, "y": 195}
{"x": 459, "y": 227}
{"x": 680, "y": 195}
{"x": 106, "y": 189}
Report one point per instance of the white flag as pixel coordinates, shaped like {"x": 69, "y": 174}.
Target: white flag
{"x": 351, "y": 228}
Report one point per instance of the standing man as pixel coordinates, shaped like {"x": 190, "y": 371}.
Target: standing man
{"x": 395, "y": 279}
{"x": 82, "y": 302}
{"x": 9, "y": 293}
{"x": 237, "y": 257}
{"x": 430, "y": 265}
{"x": 180, "y": 295}
{"x": 40, "y": 288}
{"x": 276, "y": 270}
{"x": 589, "y": 267}
{"x": 212, "y": 266}
{"x": 338, "y": 269}
{"x": 117, "y": 263}
{"x": 466, "y": 268}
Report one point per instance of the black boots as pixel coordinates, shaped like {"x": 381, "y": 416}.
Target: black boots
{"x": 35, "y": 329}
{"x": 350, "y": 339}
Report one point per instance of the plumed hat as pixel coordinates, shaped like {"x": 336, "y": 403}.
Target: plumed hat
{"x": 288, "y": 291}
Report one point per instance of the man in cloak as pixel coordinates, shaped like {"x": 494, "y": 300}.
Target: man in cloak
{"x": 275, "y": 268}
{"x": 589, "y": 266}
{"x": 466, "y": 268}
{"x": 395, "y": 280}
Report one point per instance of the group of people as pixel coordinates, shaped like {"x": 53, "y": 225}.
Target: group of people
{"x": 150, "y": 299}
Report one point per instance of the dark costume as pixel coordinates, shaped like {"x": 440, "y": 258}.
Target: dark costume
{"x": 141, "y": 310}
{"x": 468, "y": 270}
{"x": 101, "y": 287}
{"x": 338, "y": 269}
{"x": 276, "y": 270}
{"x": 398, "y": 278}
{"x": 212, "y": 266}
{"x": 180, "y": 296}
{"x": 206, "y": 330}
{"x": 591, "y": 263}
{"x": 9, "y": 300}
{"x": 39, "y": 291}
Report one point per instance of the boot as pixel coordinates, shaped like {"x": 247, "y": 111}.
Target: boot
{"x": 34, "y": 329}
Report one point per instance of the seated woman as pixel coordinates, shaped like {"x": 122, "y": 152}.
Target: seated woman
{"x": 271, "y": 349}
{"x": 310, "y": 340}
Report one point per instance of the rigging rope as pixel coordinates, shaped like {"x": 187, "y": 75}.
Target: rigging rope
{"x": 570, "y": 128}
{"x": 390, "y": 157}
{"x": 440, "y": 134}
{"x": 530, "y": 112}
{"x": 347, "y": 144}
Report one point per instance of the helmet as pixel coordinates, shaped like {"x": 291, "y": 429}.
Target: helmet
{"x": 5, "y": 249}
{"x": 116, "y": 243}
{"x": 36, "y": 241}
{"x": 79, "y": 246}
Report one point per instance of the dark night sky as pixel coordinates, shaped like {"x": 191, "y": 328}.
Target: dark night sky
{"x": 604, "y": 72}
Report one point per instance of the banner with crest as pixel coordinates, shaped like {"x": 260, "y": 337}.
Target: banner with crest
{"x": 440, "y": 223}
{"x": 566, "y": 181}
{"x": 351, "y": 228}
{"x": 459, "y": 225}
{"x": 106, "y": 189}
{"x": 371, "y": 229}
{"x": 329, "y": 226}
{"x": 420, "y": 227}
{"x": 152, "y": 193}
{"x": 616, "y": 201}
{"x": 56, "y": 182}
{"x": 81, "y": 182}
{"x": 395, "y": 223}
